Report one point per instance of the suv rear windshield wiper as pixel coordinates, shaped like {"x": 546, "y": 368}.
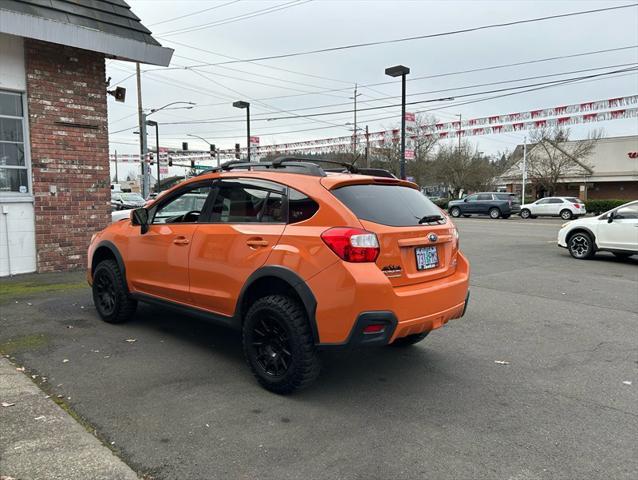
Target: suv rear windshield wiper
{"x": 430, "y": 218}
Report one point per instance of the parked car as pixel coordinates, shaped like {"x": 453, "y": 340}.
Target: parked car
{"x": 494, "y": 204}
{"x": 126, "y": 200}
{"x": 614, "y": 231}
{"x": 563, "y": 207}
{"x": 296, "y": 258}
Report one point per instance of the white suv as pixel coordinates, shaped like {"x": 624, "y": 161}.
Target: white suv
{"x": 563, "y": 207}
{"x": 614, "y": 231}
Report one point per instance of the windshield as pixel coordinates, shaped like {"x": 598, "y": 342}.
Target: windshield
{"x": 392, "y": 205}
{"x": 132, "y": 197}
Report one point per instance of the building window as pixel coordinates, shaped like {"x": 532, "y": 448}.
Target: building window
{"x": 14, "y": 174}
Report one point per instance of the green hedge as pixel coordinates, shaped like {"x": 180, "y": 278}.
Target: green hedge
{"x": 599, "y": 206}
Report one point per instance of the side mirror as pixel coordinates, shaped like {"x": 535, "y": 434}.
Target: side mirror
{"x": 139, "y": 216}
{"x": 610, "y": 217}
{"x": 465, "y": 199}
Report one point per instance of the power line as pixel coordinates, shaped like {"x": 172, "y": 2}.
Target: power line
{"x": 417, "y": 101}
{"x": 236, "y": 18}
{"x": 422, "y": 37}
{"x": 194, "y": 13}
{"x": 451, "y": 89}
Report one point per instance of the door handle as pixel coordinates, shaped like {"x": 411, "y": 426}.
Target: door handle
{"x": 257, "y": 242}
{"x": 181, "y": 241}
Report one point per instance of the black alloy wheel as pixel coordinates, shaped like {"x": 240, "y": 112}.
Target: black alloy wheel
{"x": 110, "y": 293}
{"x": 581, "y": 246}
{"x": 278, "y": 344}
{"x": 104, "y": 293}
{"x": 272, "y": 346}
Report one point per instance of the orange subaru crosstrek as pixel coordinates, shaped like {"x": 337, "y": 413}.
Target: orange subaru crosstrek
{"x": 298, "y": 257}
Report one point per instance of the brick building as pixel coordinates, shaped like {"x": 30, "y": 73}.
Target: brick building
{"x": 610, "y": 172}
{"x": 54, "y": 166}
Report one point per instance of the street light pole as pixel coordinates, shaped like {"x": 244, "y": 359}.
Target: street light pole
{"x": 524, "y": 169}
{"x": 396, "y": 71}
{"x": 152, "y": 123}
{"x": 246, "y": 105}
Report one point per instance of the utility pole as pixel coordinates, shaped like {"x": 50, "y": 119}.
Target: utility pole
{"x": 116, "y": 180}
{"x": 524, "y": 168}
{"x": 354, "y": 136}
{"x": 142, "y": 125}
{"x": 460, "y": 115}
{"x": 367, "y": 147}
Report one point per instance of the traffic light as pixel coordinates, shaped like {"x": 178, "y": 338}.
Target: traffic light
{"x": 212, "y": 151}
{"x": 237, "y": 151}
{"x": 184, "y": 145}
{"x": 170, "y": 162}
{"x": 150, "y": 157}
{"x": 192, "y": 163}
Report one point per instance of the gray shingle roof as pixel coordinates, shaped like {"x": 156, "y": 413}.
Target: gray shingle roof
{"x": 107, "y": 26}
{"x": 108, "y": 16}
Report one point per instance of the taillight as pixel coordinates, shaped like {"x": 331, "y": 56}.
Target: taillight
{"x": 352, "y": 244}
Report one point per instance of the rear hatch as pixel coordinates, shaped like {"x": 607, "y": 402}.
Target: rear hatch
{"x": 417, "y": 241}
{"x": 512, "y": 200}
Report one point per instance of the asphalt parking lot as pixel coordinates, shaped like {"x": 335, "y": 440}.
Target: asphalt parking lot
{"x": 179, "y": 402}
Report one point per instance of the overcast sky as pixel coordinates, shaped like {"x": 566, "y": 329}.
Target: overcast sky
{"x": 307, "y": 25}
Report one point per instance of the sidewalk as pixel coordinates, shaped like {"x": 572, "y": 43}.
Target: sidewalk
{"x": 39, "y": 440}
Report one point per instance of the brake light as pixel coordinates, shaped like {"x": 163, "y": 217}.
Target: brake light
{"x": 352, "y": 244}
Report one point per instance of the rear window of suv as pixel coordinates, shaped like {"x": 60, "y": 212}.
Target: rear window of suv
{"x": 392, "y": 205}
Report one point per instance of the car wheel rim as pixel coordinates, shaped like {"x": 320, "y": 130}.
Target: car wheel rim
{"x": 455, "y": 212}
{"x": 105, "y": 294}
{"x": 579, "y": 245}
{"x": 494, "y": 214}
{"x": 271, "y": 346}
{"x": 525, "y": 214}
{"x": 566, "y": 215}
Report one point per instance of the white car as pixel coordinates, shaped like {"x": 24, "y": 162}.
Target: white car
{"x": 563, "y": 207}
{"x": 614, "y": 231}
{"x": 117, "y": 215}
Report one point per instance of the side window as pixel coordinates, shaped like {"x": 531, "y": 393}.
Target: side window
{"x": 555, "y": 200}
{"x": 484, "y": 196}
{"x": 471, "y": 198}
{"x": 544, "y": 201}
{"x": 185, "y": 208}
{"x": 300, "y": 207}
{"x": 629, "y": 212}
{"x": 249, "y": 201}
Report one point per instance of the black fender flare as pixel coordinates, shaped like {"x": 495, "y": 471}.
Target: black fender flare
{"x": 295, "y": 281}
{"x": 116, "y": 253}
{"x": 580, "y": 229}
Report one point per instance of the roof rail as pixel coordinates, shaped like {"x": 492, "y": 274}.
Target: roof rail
{"x": 281, "y": 160}
{"x": 302, "y": 167}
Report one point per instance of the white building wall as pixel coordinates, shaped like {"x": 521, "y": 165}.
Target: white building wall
{"x": 17, "y": 219}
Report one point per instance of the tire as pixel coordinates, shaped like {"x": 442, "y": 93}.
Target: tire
{"x": 622, "y": 255}
{"x": 494, "y": 213}
{"x": 566, "y": 214}
{"x": 581, "y": 246}
{"x": 410, "y": 339}
{"x": 455, "y": 212}
{"x": 278, "y": 345}
{"x": 110, "y": 293}
{"x": 525, "y": 214}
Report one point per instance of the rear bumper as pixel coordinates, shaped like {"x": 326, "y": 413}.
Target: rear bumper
{"x": 360, "y": 293}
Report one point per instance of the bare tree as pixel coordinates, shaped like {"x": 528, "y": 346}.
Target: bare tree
{"x": 553, "y": 157}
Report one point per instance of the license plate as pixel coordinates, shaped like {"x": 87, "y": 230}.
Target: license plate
{"x": 426, "y": 258}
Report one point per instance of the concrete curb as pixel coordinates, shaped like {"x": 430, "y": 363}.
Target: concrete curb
{"x": 39, "y": 440}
